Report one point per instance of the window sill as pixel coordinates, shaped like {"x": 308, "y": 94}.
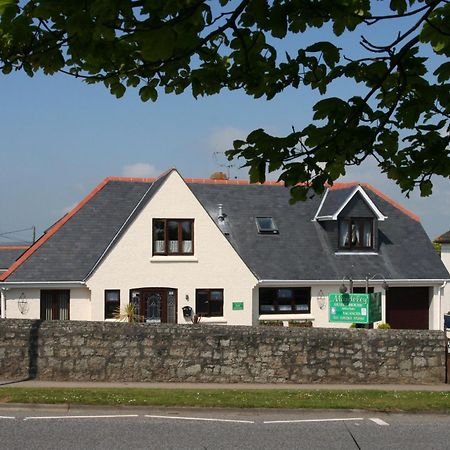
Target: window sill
{"x": 177, "y": 258}
{"x": 209, "y": 320}
{"x": 293, "y": 316}
{"x": 355, "y": 252}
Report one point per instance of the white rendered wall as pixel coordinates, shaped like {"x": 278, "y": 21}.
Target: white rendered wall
{"x": 80, "y": 308}
{"x": 215, "y": 264}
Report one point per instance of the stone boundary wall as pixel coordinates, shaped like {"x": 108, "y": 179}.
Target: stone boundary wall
{"x": 102, "y": 351}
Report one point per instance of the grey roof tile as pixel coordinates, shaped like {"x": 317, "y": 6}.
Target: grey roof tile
{"x": 301, "y": 250}
{"x": 8, "y": 254}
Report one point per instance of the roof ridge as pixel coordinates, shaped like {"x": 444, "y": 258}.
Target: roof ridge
{"x": 14, "y": 247}
{"x": 46, "y": 236}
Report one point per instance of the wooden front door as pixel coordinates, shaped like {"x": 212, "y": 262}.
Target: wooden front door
{"x": 155, "y": 305}
{"x": 408, "y": 307}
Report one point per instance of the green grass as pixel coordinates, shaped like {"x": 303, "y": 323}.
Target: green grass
{"x": 328, "y": 399}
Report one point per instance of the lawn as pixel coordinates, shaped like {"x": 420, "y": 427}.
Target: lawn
{"x": 389, "y": 401}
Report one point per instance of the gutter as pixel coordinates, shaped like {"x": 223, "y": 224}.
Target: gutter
{"x": 39, "y": 284}
{"x": 391, "y": 282}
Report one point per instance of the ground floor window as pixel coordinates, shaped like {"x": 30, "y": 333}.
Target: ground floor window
{"x": 285, "y": 300}
{"x": 112, "y": 303}
{"x": 209, "y": 302}
{"x": 55, "y": 304}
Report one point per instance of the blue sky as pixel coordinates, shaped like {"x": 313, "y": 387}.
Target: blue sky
{"x": 61, "y": 137}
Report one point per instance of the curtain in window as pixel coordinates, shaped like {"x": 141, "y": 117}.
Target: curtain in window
{"x": 367, "y": 234}
{"x": 159, "y": 246}
{"x": 343, "y": 238}
{"x": 63, "y": 305}
{"x": 355, "y": 234}
{"x": 173, "y": 246}
{"x": 187, "y": 246}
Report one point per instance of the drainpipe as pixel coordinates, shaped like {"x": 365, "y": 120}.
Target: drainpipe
{"x": 441, "y": 289}
{"x": 3, "y": 302}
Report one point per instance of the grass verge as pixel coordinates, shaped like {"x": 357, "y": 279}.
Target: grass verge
{"x": 389, "y": 401}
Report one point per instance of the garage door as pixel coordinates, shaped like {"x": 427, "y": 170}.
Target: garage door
{"x": 408, "y": 307}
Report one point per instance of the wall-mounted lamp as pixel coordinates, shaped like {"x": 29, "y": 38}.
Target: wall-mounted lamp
{"x": 343, "y": 289}
{"x": 187, "y": 297}
{"x": 22, "y": 304}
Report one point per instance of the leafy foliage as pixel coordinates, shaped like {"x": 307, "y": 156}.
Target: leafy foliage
{"x": 399, "y": 113}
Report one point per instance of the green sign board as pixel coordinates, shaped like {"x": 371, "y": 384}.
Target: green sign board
{"x": 238, "y": 306}
{"x": 354, "y": 308}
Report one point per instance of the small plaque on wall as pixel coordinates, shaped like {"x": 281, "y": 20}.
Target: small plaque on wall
{"x": 238, "y": 306}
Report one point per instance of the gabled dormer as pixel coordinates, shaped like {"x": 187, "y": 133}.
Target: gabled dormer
{"x": 350, "y": 218}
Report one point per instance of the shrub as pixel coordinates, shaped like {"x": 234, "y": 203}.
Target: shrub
{"x": 271, "y": 323}
{"x": 300, "y": 323}
{"x": 383, "y": 326}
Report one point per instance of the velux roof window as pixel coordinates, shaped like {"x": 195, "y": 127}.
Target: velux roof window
{"x": 266, "y": 225}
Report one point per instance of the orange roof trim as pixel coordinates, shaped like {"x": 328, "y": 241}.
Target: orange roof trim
{"x": 98, "y": 188}
{"x": 380, "y": 194}
{"x": 52, "y": 230}
{"x": 14, "y": 247}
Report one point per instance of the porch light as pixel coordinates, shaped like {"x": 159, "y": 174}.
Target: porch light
{"x": 321, "y": 299}
{"x": 22, "y": 304}
{"x": 343, "y": 289}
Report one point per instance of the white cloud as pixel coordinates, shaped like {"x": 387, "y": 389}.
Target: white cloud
{"x": 221, "y": 139}
{"x": 140, "y": 170}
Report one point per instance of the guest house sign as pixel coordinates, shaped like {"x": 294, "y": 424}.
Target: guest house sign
{"x": 355, "y": 308}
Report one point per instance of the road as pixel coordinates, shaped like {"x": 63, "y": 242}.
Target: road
{"x": 188, "y": 428}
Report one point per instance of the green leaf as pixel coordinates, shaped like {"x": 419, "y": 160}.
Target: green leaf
{"x": 330, "y": 53}
{"x": 5, "y": 3}
{"x": 443, "y": 72}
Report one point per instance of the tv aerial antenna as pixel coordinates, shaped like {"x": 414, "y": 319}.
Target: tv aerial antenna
{"x": 221, "y": 161}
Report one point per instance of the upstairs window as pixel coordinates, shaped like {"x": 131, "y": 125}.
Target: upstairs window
{"x": 356, "y": 233}
{"x": 266, "y": 225}
{"x": 173, "y": 236}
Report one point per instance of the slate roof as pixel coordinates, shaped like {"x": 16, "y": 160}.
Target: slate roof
{"x": 301, "y": 251}
{"x": 9, "y": 253}
{"x": 334, "y": 200}
{"x": 443, "y": 238}
{"x": 73, "y": 249}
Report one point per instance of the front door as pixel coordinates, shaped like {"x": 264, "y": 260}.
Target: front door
{"x": 155, "y": 305}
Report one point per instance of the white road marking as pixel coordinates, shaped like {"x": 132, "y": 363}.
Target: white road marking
{"x": 379, "y": 422}
{"x": 205, "y": 419}
{"x": 313, "y": 420}
{"x": 109, "y": 416}
{"x": 7, "y": 417}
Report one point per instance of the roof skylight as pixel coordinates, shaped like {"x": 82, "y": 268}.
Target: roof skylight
{"x": 266, "y": 225}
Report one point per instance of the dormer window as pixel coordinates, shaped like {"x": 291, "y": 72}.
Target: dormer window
{"x": 266, "y": 225}
{"x": 356, "y": 233}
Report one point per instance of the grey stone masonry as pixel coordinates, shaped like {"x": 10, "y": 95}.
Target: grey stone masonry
{"x": 99, "y": 351}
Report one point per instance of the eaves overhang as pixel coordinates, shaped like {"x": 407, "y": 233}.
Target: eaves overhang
{"x": 391, "y": 282}
{"x": 42, "y": 284}
{"x": 358, "y": 189}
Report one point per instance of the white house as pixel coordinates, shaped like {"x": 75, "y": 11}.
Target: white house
{"x": 233, "y": 252}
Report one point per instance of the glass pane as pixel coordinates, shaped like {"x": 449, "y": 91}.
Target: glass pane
{"x": 202, "y": 302}
{"x": 187, "y": 246}
{"x": 216, "y": 295}
{"x": 367, "y": 233}
{"x": 344, "y": 240}
{"x": 215, "y": 308}
{"x": 284, "y": 293}
{"x": 356, "y": 238}
{"x": 186, "y": 230}
{"x": 171, "y": 307}
{"x": 266, "y": 224}
{"x": 172, "y": 230}
{"x": 159, "y": 246}
{"x": 153, "y": 308}
{"x": 112, "y": 296}
{"x": 158, "y": 230}
{"x": 284, "y": 306}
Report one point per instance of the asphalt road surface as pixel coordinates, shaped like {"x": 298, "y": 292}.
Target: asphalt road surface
{"x": 149, "y": 428}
